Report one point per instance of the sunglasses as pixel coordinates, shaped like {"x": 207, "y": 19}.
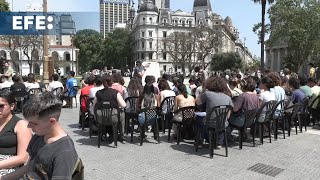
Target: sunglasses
{"x": 2, "y": 105}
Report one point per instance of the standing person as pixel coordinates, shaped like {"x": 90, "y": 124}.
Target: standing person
{"x": 139, "y": 71}
{"x": 8, "y": 71}
{"x": 14, "y": 136}
{"x": 51, "y": 150}
{"x": 69, "y": 91}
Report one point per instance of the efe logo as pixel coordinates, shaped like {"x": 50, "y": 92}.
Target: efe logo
{"x": 23, "y": 22}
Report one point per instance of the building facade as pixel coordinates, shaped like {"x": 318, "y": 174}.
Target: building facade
{"x": 152, "y": 25}
{"x": 29, "y": 59}
{"x": 113, "y": 13}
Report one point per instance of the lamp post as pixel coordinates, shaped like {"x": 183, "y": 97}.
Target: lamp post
{"x": 244, "y": 54}
{"x": 45, "y": 48}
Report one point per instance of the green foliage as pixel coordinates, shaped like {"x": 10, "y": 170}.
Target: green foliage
{"x": 89, "y": 43}
{"x": 223, "y": 61}
{"x": 97, "y": 53}
{"x": 116, "y": 49}
{"x": 4, "y": 6}
{"x": 296, "y": 23}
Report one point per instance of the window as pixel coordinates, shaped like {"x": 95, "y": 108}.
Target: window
{"x": 150, "y": 19}
{"x": 190, "y": 23}
{"x": 164, "y": 45}
{"x": 183, "y": 23}
{"x": 164, "y": 33}
{"x": 164, "y": 67}
{"x": 67, "y": 57}
{"x": 142, "y": 55}
{"x": 150, "y": 55}
{"x": 164, "y": 56}
{"x": 150, "y": 33}
{"x": 150, "y": 45}
{"x": 142, "y": 44}
{"x": 142, "y": 34}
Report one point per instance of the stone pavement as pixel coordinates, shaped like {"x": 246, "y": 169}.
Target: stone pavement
{"x": 297, "y": 155}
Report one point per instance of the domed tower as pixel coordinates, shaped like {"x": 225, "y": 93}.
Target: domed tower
{"x": 228, "y": 21}
{"x": 202, "y": 5}
{"x": 148, "y": 6}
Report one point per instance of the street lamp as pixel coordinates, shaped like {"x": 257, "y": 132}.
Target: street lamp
{"x": 244, "y": 54}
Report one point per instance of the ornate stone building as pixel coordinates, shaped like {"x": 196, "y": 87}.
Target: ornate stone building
{"x": 152, "y": 24}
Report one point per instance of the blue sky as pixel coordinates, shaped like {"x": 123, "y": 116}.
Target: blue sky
{"x": 244, "y": 14}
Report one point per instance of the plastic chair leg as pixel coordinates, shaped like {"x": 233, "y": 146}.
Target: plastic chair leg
{"x": 163, "y": 124}
{"x": 269, "y": 129}
{"x": 99, "y": 135}
{"x": 115, "y": 130}
{"x": 211, "y": 146}
{"x": 142, "y": 134}
{"x": 226, "y": 142}
{"x": 178, "y": 133}
{"x": 132, "y": 129}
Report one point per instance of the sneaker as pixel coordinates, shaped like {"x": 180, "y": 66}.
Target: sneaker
{"x": 218, "y": 147}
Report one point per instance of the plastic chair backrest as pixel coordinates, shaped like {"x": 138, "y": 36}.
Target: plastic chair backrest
{"x": 217, "y": 116}
{"x": 167, "y": 105}
{"x": 104, "y": 112}
{"x": 132, "y": 104}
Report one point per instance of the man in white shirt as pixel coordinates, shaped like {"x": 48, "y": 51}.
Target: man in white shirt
{"x": 98, "y": 85}
{"x": 5, "y": 83}
{"x": 55, "y": 83}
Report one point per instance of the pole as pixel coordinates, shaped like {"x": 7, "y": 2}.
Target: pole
{"x": 45, "y": 48}
{"x": 244, "y": 54}
{"x": 72, "y": 53}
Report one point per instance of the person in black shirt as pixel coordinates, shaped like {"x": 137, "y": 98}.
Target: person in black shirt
{"x": 51, "y": 150}
{"x": 15, "y": 87}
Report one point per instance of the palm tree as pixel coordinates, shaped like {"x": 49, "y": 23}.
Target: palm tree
{"x": 263, "y": 10}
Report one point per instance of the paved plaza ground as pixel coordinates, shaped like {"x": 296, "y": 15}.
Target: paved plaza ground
{"x": 296, "y": 157}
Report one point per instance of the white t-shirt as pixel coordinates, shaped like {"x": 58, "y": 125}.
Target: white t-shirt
{"x": 267, "y": 96}
{"x": 31, "y": 86}
{"x": 5, "y": 84}
{"x": 92, "y": 94}
{"x": 54, "y": 84}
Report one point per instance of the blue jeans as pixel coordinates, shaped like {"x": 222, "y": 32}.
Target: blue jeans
{"x": 142, "y": 119}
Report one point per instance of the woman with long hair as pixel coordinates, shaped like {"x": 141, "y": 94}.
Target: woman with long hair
{"x": 14, "y": 136}
{"x": 134, "y": 88}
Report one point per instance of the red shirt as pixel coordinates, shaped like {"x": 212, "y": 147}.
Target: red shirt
{"x": 85, "y": 91}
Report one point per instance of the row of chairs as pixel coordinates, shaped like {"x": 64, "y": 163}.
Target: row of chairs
{"x": 286, "y": 115}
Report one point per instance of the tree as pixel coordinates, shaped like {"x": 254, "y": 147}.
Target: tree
{"x": 262, "y": 34}
{"x": 32, "y": 48}
{"x": 206, "y": 40}
{"x": 180, "y": 46}
{"x": 89, "y": 42}
{"x": 116, "y": 49}
{"x": 223, "y": 61}
{"x": 13, "y": 43}
{"x": 4, "y": 6}
{"x": 296, "y": 23}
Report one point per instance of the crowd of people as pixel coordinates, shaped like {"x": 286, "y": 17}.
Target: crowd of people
{"x": 26, "y": 152}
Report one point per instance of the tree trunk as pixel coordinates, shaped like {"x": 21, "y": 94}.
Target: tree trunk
{"x": 263, "y": 6}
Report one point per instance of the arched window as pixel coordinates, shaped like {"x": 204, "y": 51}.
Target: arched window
{"x": 35, "y": 55}
{"x": 36, "y": 69}
{"x": 15, "y": 55}
{"x": 3, "y": 54}
{"x": 55, "y": 56}
{"x": 67, "y": 56}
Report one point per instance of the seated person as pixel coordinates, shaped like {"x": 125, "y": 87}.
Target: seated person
{"x": 51, "y": 151}
{"x": 116, "y": 101}
{"x": 5, "y": 83}
{"x": 14, "y": 136}
{"x": 31, "y": 83}
{"x": 54, "y": 83}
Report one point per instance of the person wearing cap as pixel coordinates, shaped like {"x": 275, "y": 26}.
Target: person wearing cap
{"x": 69, "y": 91}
